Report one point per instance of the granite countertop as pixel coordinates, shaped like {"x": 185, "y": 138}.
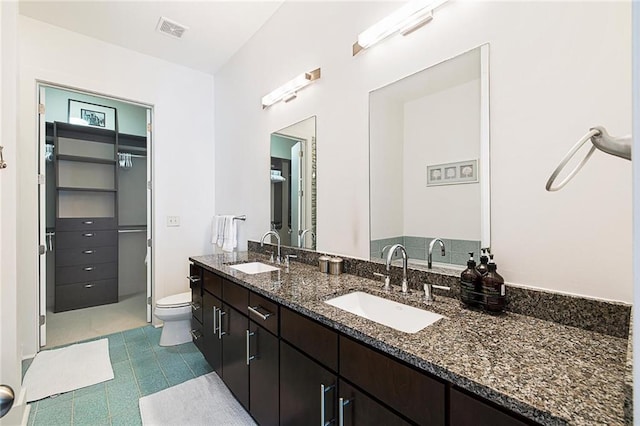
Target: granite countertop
{"x": 547, "y": 372}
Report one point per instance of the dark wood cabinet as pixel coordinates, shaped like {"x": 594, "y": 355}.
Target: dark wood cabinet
{"x": 312, "y": 338}
{"x": 211, "y": 342}
{"x": 467, "y": 410}
{"x": 307, "y": 389}
{"x": 235, "y": 371}
{"x": 356, "y": 408}
{"x": 264, "y": 375}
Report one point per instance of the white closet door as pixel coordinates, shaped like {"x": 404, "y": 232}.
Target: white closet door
{"x": 149, "y": 219}
{"x": 42, "y": 218}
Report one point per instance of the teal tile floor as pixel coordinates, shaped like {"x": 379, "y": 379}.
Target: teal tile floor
{"x": 140, "y": 367}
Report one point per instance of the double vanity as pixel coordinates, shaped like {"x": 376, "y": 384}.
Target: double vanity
{"x": 297, "y": 346}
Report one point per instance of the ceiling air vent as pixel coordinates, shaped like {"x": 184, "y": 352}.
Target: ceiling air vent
{"x": 171, "y": 28}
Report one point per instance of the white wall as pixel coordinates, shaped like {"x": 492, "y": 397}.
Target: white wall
{"x": 183, "y": 151}
{"x": 557, "y": 68}
{"x": 443, "y": 127}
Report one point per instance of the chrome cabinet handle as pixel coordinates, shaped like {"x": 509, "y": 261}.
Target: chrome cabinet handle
{"x": 193, "y": 278}
{"x": 220, "y": 332}
{"x": 88, "y": 251}
{"x": 195, "y": 334}
{"x": 323, "y": 390}
{"x": 88, "y": 234}
{"x": 88, "y": 222}
{"x": 88, "y": 285}
{"x": 258, "y": 313}
{"x": 195, "y": 306}
{"x": 88, "y": 268}
{"x": 249, "y": 357}
{"x": 215, "y": 328}
{"x": 341, "y": 404}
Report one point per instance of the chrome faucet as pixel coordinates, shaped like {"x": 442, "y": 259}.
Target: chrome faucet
{"x": 275, "y": 234}
{"x": 403, "y": 251}
{"x": 431, "y": 244}
{"x": 303, "y": 234}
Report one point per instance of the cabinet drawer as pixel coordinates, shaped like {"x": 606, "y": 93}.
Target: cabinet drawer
{"x": 85, "y": 294}
{"x": 465, "y": 410}
{"x": 264, "y": 312}
{"x": 412, "y": 393}
{"x": 212, "y": 283}
{"x": 85, "y": 256}
{"x": 358, "y": 409}
{"x": 87, "y": 272}
{"x": 195, "y": 283}
{"x": 197, "y": 335}
{"x": 71, "y": 239}
{"x": 235, "y": 296}
{"x": 86, "y": 223}
{"x": 310, "y": 337}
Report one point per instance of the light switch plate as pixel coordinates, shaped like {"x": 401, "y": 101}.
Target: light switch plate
{"x": 173, "y": 220}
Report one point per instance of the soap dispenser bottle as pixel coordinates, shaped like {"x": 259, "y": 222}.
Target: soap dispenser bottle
{"x": 470, "y": 283}
{"x": 493, "y": 288}
{"x": 484, "y": 260}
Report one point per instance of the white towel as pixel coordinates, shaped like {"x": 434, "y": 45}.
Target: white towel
{"x": 224, "y": 232}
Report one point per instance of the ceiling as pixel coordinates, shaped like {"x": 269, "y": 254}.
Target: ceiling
{"x": 217, "y": 29}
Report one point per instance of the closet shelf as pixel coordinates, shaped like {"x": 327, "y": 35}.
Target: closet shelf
{"x": 71, "y": 188}
{"x": 63, "y": 157}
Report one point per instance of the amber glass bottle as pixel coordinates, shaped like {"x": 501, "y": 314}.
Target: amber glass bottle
{"x": 470, "y": 284}
{"x": 484, "y": 260}
{"x": 493, "y": 289}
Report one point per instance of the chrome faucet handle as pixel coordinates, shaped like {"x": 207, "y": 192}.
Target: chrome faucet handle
{"x": 429, "y": 297}
{"x": 271, "y": 259}
{"x": 387, "y": 281}
{"x": 287, "y": 257}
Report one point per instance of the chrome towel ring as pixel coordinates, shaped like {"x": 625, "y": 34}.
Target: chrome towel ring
{"x": 618, "y": 146}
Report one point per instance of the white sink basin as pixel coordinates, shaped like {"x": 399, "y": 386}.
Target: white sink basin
{"x": 253, "y": 267}
{"x": 386, "y": 312}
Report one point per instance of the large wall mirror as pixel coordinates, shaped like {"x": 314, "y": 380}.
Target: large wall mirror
{"x": 429, "y": 160}
{"x": 293, "y": 184}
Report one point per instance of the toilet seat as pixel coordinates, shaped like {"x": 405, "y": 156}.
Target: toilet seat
{"x": 175, "y": 300}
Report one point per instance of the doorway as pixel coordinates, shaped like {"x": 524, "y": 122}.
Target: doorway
{"x": 95, "y": 215}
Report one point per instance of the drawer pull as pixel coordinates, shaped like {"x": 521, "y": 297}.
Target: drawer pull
{"x": 88, "y": 222}
{"x": 341, "y": 404}
{"x": 88, "y": 268}
{"x": 195, "y": 334}
{"x": 258, "y": 313}
{"x": 215, "y": 327}
{"x": 88, "y": 285}
{"x": 88, "y": 234}
{"x": 220, "y": 332}
{"x": 323, "y": 390}
{"x": 195, "y": 306}
{"x": 88, "y": 251}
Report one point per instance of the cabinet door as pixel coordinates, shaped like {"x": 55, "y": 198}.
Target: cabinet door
{"x": 303, "y": 400}
{"x": 357, "y": 409}
{"x": 263, "y": 372}
{"x": 235, "y": 371}
{"x": 212, "y": 343}
{"x": 465, "y": 410}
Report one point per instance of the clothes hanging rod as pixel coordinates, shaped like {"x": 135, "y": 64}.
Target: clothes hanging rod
{"x": 242, "y": 217}
{"x": 129, "y": 231}
{"x": 133, "y": 155}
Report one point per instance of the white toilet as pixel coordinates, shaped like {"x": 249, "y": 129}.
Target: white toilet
{"x": 175, "y": 311}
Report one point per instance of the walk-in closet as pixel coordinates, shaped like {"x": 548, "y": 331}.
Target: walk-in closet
{"x": 96, "y": 209}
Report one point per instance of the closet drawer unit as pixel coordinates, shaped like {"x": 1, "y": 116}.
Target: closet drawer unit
{"x": 85, "y": 294}
{"x": 72, "y": 239}
{"x": 87, "y": 223}
{"x": 86, "y": 256}
{"x": 86, "y": 272}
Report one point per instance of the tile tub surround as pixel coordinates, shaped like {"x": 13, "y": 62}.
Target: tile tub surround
{"x": 548, "y": 372}
{"x": 593, "y": 315}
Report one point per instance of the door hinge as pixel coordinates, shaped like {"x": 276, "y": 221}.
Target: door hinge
{"x": 41, "y": 179}
{"x": 301, "y": 153}
{"x": 149, "y": 242}
{"x": 149, "y": 185}
{"x": 41, "y": 109}
{"x": 42, "y": 249}
{"x": 149, "y": 300}
{"x": 43, "y": 319}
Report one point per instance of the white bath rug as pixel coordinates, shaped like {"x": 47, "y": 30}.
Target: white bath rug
{"x": 204, "y": 400}
{"x": 62, "y": 370}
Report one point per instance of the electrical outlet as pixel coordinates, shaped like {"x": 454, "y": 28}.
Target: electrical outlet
{"x": 173, "y": 220}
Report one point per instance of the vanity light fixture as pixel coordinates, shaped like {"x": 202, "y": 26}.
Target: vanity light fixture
{"x": 405, "y": 20}
{"x": 288, "y": 91}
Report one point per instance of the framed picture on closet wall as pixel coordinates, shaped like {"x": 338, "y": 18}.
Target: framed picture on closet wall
{"x": 93, "y": 115}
